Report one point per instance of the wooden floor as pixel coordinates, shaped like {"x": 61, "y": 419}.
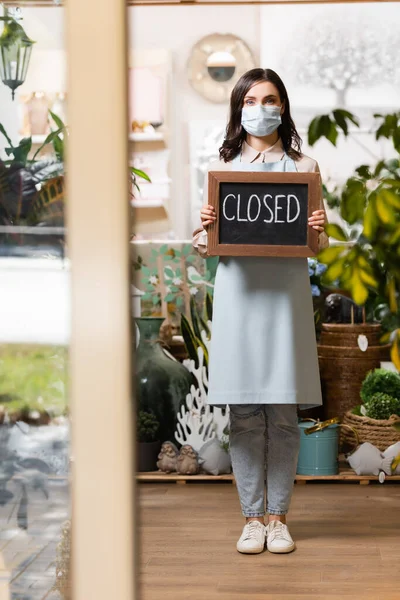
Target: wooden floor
{"x": 348, "y": 545}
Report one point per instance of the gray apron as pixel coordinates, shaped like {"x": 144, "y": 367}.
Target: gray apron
{"x": 263, "y": 345}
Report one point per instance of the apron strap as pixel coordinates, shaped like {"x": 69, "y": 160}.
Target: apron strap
{"x": 289, "y": 162}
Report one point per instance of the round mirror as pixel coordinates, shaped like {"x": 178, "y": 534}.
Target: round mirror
{"x": 221, "y": 66}
{"x": 216, "y": 63}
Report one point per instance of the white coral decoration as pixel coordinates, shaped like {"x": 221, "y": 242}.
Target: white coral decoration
{"x": 194, "y": 427}
{"x": 221, "y": 420}
{"x": 197, "y": 423}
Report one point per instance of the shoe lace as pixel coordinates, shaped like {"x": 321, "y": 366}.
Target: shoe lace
{"x": 251, "y": 528}
{"x": 279, "y": 531}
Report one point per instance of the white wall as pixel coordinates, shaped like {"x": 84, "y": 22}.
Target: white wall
{"x": 178, "y": 28}
{"x": 175, "y": 28}
{"x": 380, "y": 20}
{"x": 45, "y": 26}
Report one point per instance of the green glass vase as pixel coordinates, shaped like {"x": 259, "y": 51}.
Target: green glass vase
{"x": 162, "y": 383}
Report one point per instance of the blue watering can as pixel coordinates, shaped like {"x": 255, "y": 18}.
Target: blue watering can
{"x": 319, "y": 447}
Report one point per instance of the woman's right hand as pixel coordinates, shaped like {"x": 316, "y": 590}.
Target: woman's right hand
{"x": 207, "y": 215}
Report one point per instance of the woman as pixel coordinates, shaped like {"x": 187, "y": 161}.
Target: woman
{"x": 263, "y": 354}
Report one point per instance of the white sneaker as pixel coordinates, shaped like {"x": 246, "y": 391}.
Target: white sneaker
{"x": 278, "y": 537}
{"x": 252, "y": 540}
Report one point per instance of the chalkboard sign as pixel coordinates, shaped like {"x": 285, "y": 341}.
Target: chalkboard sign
{"x": 263, "y": 214}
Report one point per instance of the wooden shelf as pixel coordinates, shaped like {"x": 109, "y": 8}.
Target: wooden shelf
{"x": 345, "y": 474}
{"x": 157, "y": 136}
{"x": 182, "y": 479}
{"x": 37, "y": 140}
{"x": 144, "y": 183}
{"x": 147, "y": 203}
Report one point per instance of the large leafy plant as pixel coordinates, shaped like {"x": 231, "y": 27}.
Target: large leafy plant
{"x": 366, "y": 258}
{"x": 134, "y": 174}
{"x": 192, "y": 330}
{"x": 29, "y": 184}
{"x": 26, "y": 183}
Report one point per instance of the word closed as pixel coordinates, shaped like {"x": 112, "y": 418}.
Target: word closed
{"x": 278, "y": 209}
{"x": 256, "y": 213}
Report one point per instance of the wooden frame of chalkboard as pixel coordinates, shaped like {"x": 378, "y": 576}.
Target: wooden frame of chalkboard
{"x": 244, "y": 232}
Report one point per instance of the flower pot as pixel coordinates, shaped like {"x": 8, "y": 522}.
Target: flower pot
{"x": 162, "y": 383}
{"x": 343, "y": 364}
{"x": 379, "y": 432}
{"x": 147, "y": 453}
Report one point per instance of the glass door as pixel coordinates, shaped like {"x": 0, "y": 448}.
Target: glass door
{"x": 66, "y": 476}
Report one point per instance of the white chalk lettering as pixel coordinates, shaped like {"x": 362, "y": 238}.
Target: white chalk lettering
{"x": 224, "y": 207}
{"x": 280, "y": 208}
{"x": 269, "y": 208}
{"x": 249, "y": 208}
{"x": 277, "y": 207}
{"x": 238, "y": 210}
{"x": 290, "y": 196}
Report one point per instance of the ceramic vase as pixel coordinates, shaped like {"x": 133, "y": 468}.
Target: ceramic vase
{"x": 162, "y": 383}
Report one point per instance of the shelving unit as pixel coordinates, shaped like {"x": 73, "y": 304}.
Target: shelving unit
{"x": 37, "y": 140}
{"x": 345, "y": 475}
{"x": 161, "y": 181}
{"x": 150, "y": 151}
{"x": 157, "y": 136}
{"x": 149, "y": 203}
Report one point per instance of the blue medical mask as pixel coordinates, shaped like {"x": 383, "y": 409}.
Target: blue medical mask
{"x": 259, "y": 120}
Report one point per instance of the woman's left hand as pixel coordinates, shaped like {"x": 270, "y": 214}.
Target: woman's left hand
{"x": 318, "y": 220}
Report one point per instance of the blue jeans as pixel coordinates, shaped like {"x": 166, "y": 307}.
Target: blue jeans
{"x": 264, "y": 443}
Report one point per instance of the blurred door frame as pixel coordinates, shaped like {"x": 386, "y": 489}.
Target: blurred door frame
{"x": 103, "y": 486}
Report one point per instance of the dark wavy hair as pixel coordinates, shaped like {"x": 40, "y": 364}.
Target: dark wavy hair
{"x": 235, "y": 134}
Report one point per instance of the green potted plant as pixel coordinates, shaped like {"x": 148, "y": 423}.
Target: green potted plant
{"x": 148, "y": 443}
{"x": 191, "y": 329}
{"x": 382, "y": 406}
{"x": 378, "y": 416}
{"x": 32, "y": 193}
{"x": 365, "y": 260}
{"x": 380, "y": 381}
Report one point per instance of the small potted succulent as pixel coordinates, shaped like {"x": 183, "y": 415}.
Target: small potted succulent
{"x": 148, "y": 443}
{"x": 380, "y": 381}
{"x": 377, "y": 419}
{"x": 381, "y": 406}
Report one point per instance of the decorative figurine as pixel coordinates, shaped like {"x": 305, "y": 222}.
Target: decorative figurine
{"x": 187, "y": 463}
{"x": 168, "y": 457}
{"x": 341, "y": 309}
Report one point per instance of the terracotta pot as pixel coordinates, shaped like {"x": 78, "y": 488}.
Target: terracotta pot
{"x": 343, "y": 365}
{"x": 147, "y": 453}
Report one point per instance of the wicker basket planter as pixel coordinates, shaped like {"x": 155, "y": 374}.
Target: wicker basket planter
{"x": 343, "y": 365}
{"x": 380, "y": 433}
